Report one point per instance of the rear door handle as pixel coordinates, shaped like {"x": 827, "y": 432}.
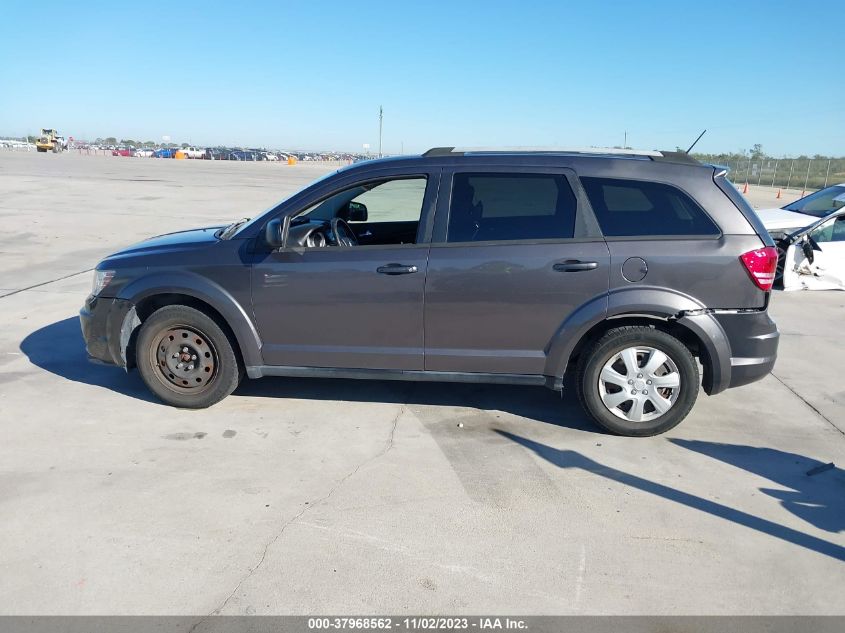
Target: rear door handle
{"x": 396, "y": 269}
{"x": 574, "y": 265}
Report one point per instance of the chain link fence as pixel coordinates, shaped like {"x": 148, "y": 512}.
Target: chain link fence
{"x": 785, "y": 173}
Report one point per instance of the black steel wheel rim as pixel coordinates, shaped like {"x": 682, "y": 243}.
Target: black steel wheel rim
{"x": 184, "y": 359}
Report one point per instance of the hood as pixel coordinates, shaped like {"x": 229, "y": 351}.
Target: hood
{"x": 781, "y": 219}
{"x": 180, "y": 240}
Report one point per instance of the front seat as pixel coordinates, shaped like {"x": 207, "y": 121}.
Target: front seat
{"x": 464, "y": 214}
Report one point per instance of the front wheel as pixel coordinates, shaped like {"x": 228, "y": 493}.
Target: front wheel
{"x": 185, "y": 358}
{"x": 638, "y": 381}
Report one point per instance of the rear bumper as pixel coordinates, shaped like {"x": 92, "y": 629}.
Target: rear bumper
{"x": 753, "y": 339}
{"x": 737, "y": 347}
{"x": 102, "y": 320}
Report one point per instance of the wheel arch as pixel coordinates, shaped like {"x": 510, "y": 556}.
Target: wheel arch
{"x": 148, "y": 294}
{"x": 661, "y": 308}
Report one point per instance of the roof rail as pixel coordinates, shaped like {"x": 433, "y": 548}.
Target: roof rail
{"x": 601, "y": 151}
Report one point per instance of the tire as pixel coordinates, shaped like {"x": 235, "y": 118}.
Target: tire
{"x": 612, "y": 352}
{"x": 209, "y": 369}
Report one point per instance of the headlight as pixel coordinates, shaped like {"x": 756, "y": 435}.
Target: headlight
{"x": 102, "y": 278}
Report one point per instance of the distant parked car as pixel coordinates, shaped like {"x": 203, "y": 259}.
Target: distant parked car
{"x": 164, "y": 152}
{"x": 144, "y": 152}
{"x": 123, "y": 151}
{"x": 193, "y": 152}
{"x": 243, "y": 154}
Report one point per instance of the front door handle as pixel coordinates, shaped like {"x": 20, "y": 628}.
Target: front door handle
{"x": 396, "y": 269}
{"x": 574, "y": 265}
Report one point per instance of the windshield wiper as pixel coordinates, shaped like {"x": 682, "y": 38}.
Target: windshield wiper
{"x": 226, "y": 233}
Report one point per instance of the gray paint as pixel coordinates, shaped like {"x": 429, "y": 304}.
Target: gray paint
{"x": 512, "y": 309}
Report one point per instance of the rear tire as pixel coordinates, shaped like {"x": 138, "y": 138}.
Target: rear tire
{"x": 186, "y": 359}
{"x": 637, "y": 381}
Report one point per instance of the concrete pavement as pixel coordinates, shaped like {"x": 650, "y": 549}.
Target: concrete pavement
{"x": 331, "y": 496}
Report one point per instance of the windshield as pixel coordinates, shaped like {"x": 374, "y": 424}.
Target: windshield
{"x": 260, "y": 216}
{"x": 820, "y": 203}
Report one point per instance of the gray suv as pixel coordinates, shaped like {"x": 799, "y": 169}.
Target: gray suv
{"x": 643, "y": 274}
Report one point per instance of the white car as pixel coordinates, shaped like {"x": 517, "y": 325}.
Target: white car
{"x": 803, "y": 212}
{"x": 193, "y": 152}
{"x": 814, "y": 257}
{"x": 144, "y": 152}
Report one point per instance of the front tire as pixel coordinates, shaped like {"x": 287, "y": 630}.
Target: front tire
{"x": 185, "y": 358}
{"x": 637, "y": 381}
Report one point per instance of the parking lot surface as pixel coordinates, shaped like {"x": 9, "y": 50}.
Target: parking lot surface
{"x": 332, "y": 496}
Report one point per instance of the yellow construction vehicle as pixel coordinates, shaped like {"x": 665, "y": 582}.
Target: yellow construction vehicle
{"x": 49, "y": 141}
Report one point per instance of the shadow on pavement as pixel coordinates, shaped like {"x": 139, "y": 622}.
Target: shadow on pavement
{"x": 818, "y": 500}
{"x": 573, "y": 459}
{"x": 59, "y": 349}
{"x": 534, "y": 403}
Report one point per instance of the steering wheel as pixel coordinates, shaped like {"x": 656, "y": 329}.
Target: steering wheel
{"x": 343, "y": 233}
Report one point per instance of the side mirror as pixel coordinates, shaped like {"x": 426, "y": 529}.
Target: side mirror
{"x": 273, "y": 233}
{"x": 353, "y": 212}
{"x": 807, "y": 248}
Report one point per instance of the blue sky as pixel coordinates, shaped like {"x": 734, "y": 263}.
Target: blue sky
{"x": 312, "y": 74}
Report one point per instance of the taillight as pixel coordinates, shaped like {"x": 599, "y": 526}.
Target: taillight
{"x": 761, "y": 265}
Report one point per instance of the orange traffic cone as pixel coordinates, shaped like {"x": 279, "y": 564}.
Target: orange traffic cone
{"x": 778, "y": 196}
{"x": 745, "y": 188}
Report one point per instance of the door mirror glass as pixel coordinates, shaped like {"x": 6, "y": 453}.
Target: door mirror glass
{"x": 353, "y": 212}
{"x": 273, "y": 233}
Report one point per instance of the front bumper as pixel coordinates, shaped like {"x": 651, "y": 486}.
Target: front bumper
{"x": 106, "y": 328}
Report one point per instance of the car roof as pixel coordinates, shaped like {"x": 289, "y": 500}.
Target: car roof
{"x": 585, "y": 160}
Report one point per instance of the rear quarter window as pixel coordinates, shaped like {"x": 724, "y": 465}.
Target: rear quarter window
{"x": 627, "y": 208}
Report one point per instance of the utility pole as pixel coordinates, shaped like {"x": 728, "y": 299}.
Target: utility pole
{"x": 380, "y": 117}
{"x": 625, "y": 142}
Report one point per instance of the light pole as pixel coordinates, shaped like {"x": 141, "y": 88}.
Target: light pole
{"x": 380, "y": 117}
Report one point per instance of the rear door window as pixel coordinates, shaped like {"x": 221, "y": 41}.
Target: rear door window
{"x": 627, "y": 208}
{"x": 510, "y": 206}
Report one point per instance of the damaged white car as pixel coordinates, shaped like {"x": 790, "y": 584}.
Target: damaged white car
{"x": 813, "y": 258}
{"x": 803, "y": 212}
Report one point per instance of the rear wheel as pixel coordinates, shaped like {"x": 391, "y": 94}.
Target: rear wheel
{"x": 638, "y": 381}
{"x": 185, "y": 358}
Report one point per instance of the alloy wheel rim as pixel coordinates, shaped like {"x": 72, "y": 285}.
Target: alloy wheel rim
{"x": 639, "y": 384}
{"x": 184, "y": 359}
